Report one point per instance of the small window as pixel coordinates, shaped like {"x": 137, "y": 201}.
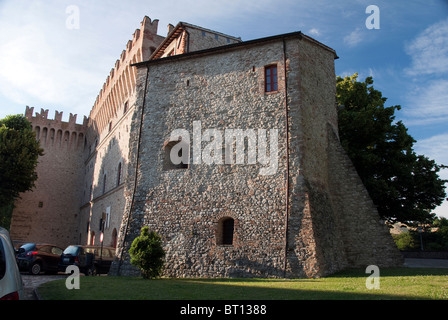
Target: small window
{"x": 110, "y": 126}
{"x": 126, "y": 104}
{"x": 104, "y": 184}
{"x": 114, "y": 238}
{"x": 225, "y": 231}
{"x": 270, "y": 77}
{"x": 216, "y": 37}
{"x": 176, "y": 155}
{"x": 119, "y": 174}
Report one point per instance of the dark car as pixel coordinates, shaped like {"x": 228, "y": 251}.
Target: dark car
{"x": 36, "y": 258}
{"x": 89, "y": 259}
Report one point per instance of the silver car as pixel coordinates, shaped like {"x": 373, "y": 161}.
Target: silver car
{"x": 11, "y": 286}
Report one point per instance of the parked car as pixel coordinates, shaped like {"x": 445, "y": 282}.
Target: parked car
{"x": 11, "y": 286}
{"x": 37, "y": 258}
{"x": 90, "y": 259}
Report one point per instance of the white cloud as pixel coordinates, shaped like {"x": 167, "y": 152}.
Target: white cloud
{"x": 314, "y": 32}
{"x": 353, "y": 38}
{"x": 429, "y": 51}
{"x": 435, "y": 147}
{"x": 428, "y": 103}
{"x": 428, "y": 93}
{"x": 41, "y": 64}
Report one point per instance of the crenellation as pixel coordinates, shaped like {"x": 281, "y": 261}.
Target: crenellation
{"x": 58, "y": 116}
{"x": 43, "y": 114}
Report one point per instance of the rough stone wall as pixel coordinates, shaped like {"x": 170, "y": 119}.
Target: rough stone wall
{"x": 314, "y": 241}
{"x": 49, "y": 213}
{"x": 203, "y": 39}
{"x": 223, "y": 91}
{"x": 366, "y": 238}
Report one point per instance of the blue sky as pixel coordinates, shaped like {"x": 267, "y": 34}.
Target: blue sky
{"x": 44, "y": 64}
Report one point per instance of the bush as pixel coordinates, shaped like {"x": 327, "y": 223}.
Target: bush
{"x": 147, "y": 253}
{"x": 405, "y": 241}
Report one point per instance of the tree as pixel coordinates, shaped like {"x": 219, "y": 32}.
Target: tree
{"x": 147, "y": 253}
{"x": 404, "y": 186}
{"x": 19, "y": 151}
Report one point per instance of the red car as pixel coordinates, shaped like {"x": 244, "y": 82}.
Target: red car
{"x": 37, "y": 258}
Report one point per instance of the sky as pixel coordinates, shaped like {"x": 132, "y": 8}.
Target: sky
{"x": 56, "y": 54}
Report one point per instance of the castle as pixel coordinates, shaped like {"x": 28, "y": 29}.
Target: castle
{"x": 228, "y": 149}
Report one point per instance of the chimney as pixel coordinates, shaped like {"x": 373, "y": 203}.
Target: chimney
{"x": 170, "y": 28}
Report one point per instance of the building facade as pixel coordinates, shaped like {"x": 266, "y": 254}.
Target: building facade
{"x": 230, "y": 151}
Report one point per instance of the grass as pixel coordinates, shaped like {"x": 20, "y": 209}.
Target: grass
{"x": 395, "y": 284}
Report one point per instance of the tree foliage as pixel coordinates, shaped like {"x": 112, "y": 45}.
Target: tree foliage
{"x": 19, "y": 152}
{"x": 147, "y": 253}
{"x": 404, "y": 186}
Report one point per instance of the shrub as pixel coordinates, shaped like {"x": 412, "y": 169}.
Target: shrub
{"x": 405, "y": 241}
{"x": 147, "y": 253}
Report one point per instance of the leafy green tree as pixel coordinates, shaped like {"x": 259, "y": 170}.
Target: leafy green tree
{"x": 19, "y": 151}
{"x": 406, "y": 241}
{"x": 404, "y": 186}
{"x": 147, "y": 253}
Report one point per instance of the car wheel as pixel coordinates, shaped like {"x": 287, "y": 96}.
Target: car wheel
{"x": 90, "y": 271}
{"x": 36, "y": 268}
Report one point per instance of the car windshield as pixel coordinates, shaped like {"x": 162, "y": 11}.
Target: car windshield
{"x": 72, "y": 250}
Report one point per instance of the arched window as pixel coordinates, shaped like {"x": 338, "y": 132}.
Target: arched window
{"x": 225, "y": 231}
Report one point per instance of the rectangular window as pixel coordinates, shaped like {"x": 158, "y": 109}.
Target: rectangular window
{"x": 270, "y": 78}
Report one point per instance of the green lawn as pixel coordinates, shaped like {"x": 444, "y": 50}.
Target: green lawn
{"x": 398, "y": 283}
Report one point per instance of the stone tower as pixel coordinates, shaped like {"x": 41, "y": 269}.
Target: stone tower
{"x": 220, "y": 209}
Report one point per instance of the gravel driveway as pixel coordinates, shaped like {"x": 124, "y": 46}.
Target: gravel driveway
{"x": 31, "y": 282}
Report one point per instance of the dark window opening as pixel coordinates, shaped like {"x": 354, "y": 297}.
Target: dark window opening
{"x": 225, "y": 231}
{"x": 119, "y": 174}
{"x": 104, "y": 184}
{"x": 176, "y": 155}
{"x": 270, "y": 77}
